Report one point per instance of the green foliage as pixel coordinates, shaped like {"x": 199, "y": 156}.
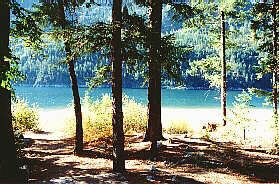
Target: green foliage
{"x": 24, "y": 117}
{"x": 91, "y": 46}
{"x": 241, "y": 109}
{"x": 136, "y": 49}
{"x": 97, "y": 118}
{"x": 211, "y": 65}
{"x": 263, "y": 23}
{"x": 241, "y": 125}
{"x": 9, "y": 72}
{"x": 210, "y": 69}
{"x": 263, "y": 93}
{"x": 9, "y": 63}
{"x": 25, "y": 28}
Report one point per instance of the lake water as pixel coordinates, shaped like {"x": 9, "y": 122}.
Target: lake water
{"x": 57, "y": 98}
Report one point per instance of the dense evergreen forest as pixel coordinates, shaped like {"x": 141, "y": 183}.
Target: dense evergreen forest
{"x": 40, "y": 70}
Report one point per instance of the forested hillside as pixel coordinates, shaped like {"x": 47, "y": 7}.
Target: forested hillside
{"x": 40, "y": 70}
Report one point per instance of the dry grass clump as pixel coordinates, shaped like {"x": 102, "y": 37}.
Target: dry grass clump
{"x": 135, "y": 116}
{"x": 97, "y": 118}
{"x": 178, "y": 126}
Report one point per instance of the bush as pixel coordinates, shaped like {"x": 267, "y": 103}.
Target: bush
{"x": 24, "y": 117}
{"x": 135, "y": 116}
{"x": 178, "y": 126}
{"x": 97, "y": 118}
{"x": 243, "y": 127}
{"x": 240, "y": 120}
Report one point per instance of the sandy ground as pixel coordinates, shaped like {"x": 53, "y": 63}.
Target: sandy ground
{"x": 195, "y": 117}
{"x": 55, "y": 120}
{"x": 191, "y": 115}
{"x": 209, "y": 115}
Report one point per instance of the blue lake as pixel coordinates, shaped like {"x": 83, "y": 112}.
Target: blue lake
{"x": 57, "y": 98}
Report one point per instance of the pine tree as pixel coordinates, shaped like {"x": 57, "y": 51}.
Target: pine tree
{"x": 275, "y": 60}
{"x": 154, "y": 128}
{"x": 63, "y": 29}
{"x": 117, "y": 114}
{"x": 224, "y": 76}
{"x": 264, "y": 26}
{"x": 203, "y": 16}
{"x": 162, "y": 56}
{"x": 8, "y": 166}
{"x": 70, "y": 64}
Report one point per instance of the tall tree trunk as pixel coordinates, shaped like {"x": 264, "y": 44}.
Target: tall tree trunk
{"x": 71, "y": 68}
{"x": 77, "y": 106}
{"x": 8, "y": 166}
{"x": 224, "y": 80}
{"x": 117, "y": 115}
{"x": 275, "y": 72}
{"x": 154, "y": 128}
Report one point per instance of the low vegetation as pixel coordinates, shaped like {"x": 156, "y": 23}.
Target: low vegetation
{"x": 178, "y": 126}
{"x": 24, "y": 118}
{"x": 244, "y": 128}
{"x": 97, "y": 118}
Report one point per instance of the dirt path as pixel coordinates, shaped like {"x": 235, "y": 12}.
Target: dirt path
{"x": 180, "y": 160}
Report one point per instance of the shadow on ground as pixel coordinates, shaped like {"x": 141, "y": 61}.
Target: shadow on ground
{"x": 53, "y": 161}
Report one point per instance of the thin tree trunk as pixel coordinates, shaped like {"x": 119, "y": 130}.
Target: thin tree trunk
{"x": 117, "y": 115}
{"x": 224, "y": 80}
{"x": 8, "y": 166}
{"x": 77, "y": 105}
{"x": 77, "y": 108}
{"x": 154, "y": 127}
{"x": 275, "y": 72}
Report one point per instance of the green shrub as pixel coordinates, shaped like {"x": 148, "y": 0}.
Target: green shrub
{"x": 240, "y": 120}
{"x": 97, "y": 118}
{"x": 24, "y": 117}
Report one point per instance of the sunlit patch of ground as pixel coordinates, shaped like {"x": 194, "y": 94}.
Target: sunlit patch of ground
{"x": 259, "y": 132}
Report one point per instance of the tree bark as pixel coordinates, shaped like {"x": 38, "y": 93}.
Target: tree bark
{"x": 275, "y": 72}
{"x": 117, "y": 115}
{"x": 154, "y": 127}
{"x": 224, "y": 80}
{"x": 77, "y": 106}
{"x": 8, "y": 156}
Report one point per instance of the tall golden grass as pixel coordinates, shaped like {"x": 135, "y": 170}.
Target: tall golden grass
{"x": 97, "y": 118}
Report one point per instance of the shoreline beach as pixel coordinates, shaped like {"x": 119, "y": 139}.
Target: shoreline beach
{"x": 259, "y": 131}
{"x": 195, "y": 116}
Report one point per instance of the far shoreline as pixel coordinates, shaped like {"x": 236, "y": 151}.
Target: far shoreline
{"x": 106, "y": 86}
{"x": 163, "y": 108}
